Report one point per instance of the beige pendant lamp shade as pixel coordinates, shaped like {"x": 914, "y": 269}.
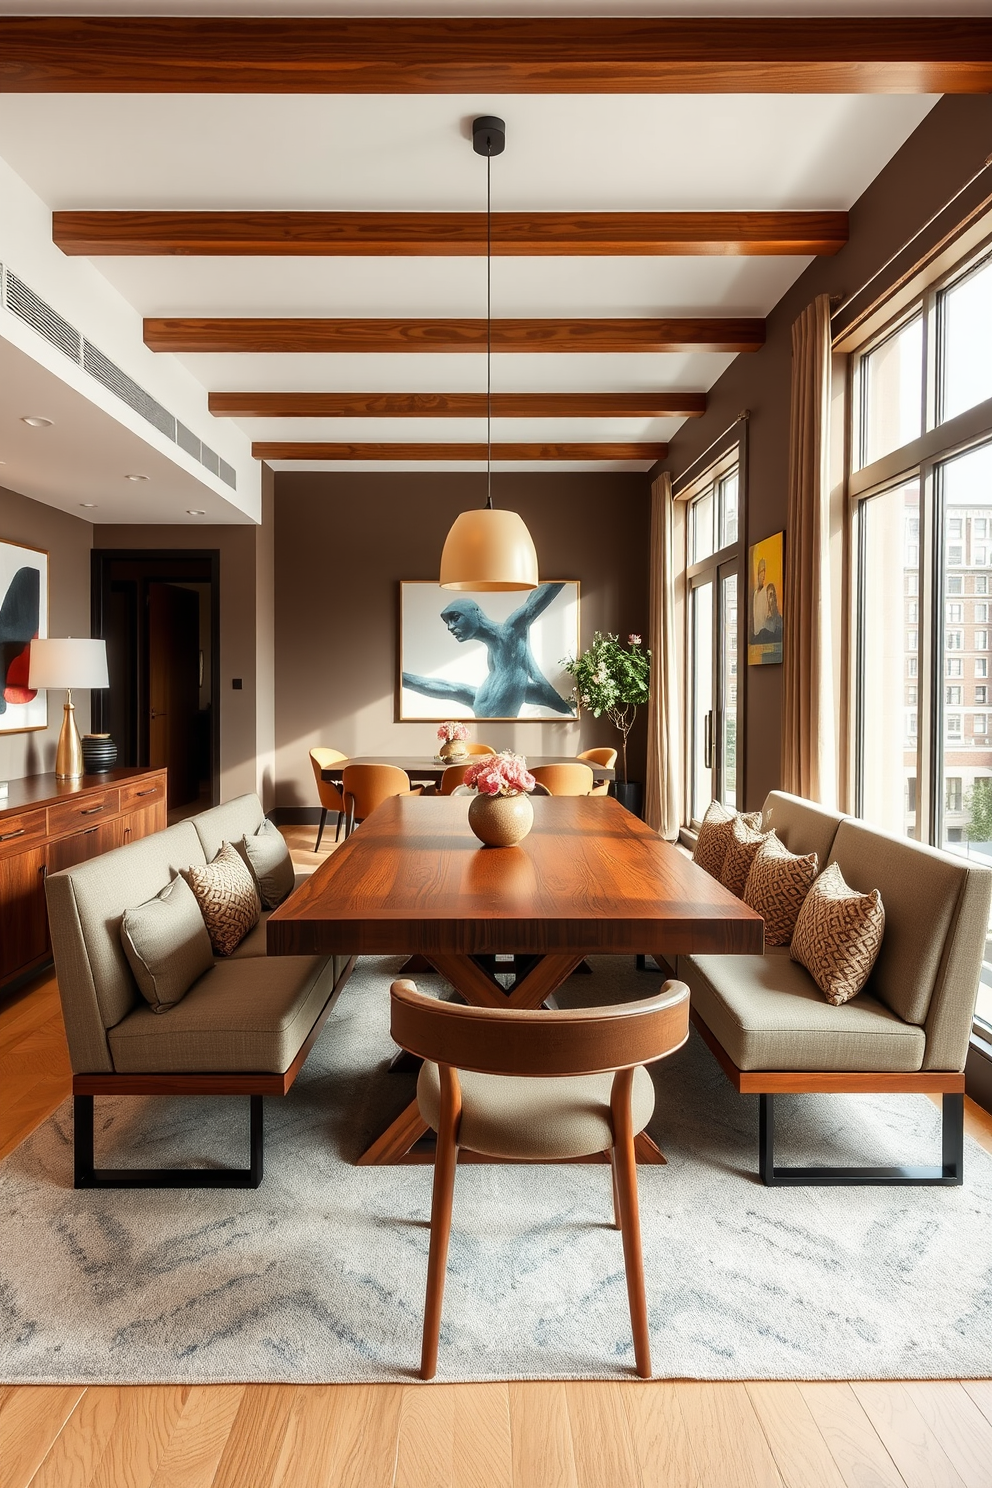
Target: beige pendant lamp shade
{"x": 68, "y": 663}
{"x": 489, "y": 549}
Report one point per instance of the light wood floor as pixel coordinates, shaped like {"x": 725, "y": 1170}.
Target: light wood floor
{"x": 663, "y": 1434}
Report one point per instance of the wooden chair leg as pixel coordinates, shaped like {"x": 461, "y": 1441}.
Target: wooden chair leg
{"x": 445, "y": 1163}
{"x": 617, "y": 1221}
{"x": 320, "y": 829}
{"x": 625, "y": 1167}
{"x": 337, "y": 829}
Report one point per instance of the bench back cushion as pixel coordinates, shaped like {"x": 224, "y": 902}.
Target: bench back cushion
{"x": 85, "y": 907}
{"x": 229, "y": 822}
{"x": 936, "y": 920}
{"x": 801, "y": 825}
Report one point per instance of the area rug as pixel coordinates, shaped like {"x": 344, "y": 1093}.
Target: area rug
{"x": 319, "y": 1275}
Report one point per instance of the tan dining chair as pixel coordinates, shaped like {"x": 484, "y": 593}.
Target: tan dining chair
{"x": 328, "y": 794}
{"x": 605, "y": 757}
{"x": 533, "y": 1086}
{"x": 453, "y": 777}
{"x": 365, "y": 787}
{"x": 566, "y": 779}
{"x": 478, "y": 748}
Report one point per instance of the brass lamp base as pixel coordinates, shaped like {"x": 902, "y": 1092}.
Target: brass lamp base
{"x": 69, "y": 756}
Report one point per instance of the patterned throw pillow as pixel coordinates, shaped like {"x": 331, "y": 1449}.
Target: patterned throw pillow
{"x": 777, "y": 885}
{"x": 714, "y": 836}
{"x": 268, "y": 858}
{"x": 741, "y": 850}
{"x": 228, "y": 899}
{"x": 838, "y": 935}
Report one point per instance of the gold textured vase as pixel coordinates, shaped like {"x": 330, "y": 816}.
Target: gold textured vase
{"x": 501, "y": 821}
{"x": 453, "y": 752}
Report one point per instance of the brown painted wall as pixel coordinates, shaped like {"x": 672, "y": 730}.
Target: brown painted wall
{"x": 343, "y": 543}
{"x": 949, "y": 146}
{"x": 68, "y": 541}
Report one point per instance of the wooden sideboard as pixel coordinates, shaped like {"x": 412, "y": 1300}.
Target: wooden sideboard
{"x": 45, "y": 825}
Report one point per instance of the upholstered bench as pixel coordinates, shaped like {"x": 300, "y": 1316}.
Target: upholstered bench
{"x": 244, "y": 1028}
{"x": 773, "y": 1031}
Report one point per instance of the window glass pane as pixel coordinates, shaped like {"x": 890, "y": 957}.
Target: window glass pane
{"x": 889, "y": 647}
{"x": 966, "y": 325}
{"x": 702, "y": 698}
{"x": 892, "y": 392}
{"x": 728, "y": 663}
{"x": 728, "y": 510}
{"x": 702, "y": 527}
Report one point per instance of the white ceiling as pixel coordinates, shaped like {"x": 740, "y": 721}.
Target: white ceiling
{"x": 356, "y": 152}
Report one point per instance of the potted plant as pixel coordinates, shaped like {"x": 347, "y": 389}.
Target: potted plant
{"x": 452, "y": 736}
{"x": 613, "y": 679}
{"x": 500, "y": 814}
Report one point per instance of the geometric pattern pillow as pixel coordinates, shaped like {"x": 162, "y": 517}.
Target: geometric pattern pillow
{"x": 268, "y": 858}
{"x": 776, "y": 887}
{"x": 228, "y": 899}
{"x": 714, "y": 836}
{"x": 741, "y": 851}
{"x": 838, "y": 935}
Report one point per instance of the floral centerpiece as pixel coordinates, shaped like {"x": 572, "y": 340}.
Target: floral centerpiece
{"x": 500, "y": 814}
{"x": 452, "y": 736}
{"x": 613, "y": 679}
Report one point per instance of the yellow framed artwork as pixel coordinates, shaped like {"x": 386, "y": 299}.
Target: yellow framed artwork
{"x": 765, "y": 612}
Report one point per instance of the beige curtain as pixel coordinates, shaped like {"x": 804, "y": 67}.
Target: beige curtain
{"x": 807, "y": 691}
{"x": 662, "y": 793}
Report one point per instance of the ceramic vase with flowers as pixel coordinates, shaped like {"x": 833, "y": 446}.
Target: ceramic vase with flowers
{"x": 453, "y": 736}
{"x": 501, "y": 813}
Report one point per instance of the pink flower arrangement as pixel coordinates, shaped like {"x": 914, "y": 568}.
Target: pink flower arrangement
{"x": 500, "y": 775}
{"x": 449, "y": 731}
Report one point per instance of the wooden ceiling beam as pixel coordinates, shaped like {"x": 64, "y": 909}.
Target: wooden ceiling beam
{"x": 273, "y": 450}
{"x": 206, "y": 334}
{"x": 313, "y": 54}
{"x": 457, "y": 405}
{"x": 449, "y": 234}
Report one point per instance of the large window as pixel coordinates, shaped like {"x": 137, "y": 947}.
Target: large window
{"x": 713, "y": 647}
{"x": 922, "y": 484}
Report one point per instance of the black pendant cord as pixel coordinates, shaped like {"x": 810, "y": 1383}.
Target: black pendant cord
{"x": 489, "y": 329}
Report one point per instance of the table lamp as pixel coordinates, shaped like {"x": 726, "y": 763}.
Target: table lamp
{"x": 68, "y": 663}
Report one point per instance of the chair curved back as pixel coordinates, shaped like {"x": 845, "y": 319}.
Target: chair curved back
{"x": 328, "y": 794}
{"x": 517, "y": 1041}
{"x": 540, "y": 789}
{"x": 453, "y": 777}
{"x": 366, "y": 786}
{"x": 565, "y": 780}
{"x": 605, "y": 757}
{"x": 478, "y": 748}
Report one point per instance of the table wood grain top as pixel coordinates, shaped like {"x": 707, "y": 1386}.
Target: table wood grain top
{"x": 590, "y": 877}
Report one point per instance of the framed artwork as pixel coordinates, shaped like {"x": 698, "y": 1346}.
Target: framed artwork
{"x": 23, "y": 617}
{"x": 496, "y": 655}
{"x": 765, "y": 615}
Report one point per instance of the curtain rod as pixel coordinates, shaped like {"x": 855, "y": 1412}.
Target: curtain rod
{"x": 910, "y": 241}
{"x": 742, "y": 417}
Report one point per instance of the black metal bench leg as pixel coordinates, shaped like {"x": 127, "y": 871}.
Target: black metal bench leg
{"x": 87, "y": 1175}
{"x": 949, "y": 1174}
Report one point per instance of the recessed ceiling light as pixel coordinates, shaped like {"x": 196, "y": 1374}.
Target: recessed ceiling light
{"x": 136, "y": 477}
{"x": 87, "y": 503}
{"x": 192, "y": 511}
{"x": 36, "y": 421}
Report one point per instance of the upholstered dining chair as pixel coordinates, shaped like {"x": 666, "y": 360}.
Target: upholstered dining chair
{"x": 565, "y": 780}
{"x": 364, "y": 787}
{"x": 453, "y": 777}
{"x": 605, "y": 757}
{"x": 328, "y": 794}
{"x": 534, "y": 1086}
{"x": 476, "y": 748}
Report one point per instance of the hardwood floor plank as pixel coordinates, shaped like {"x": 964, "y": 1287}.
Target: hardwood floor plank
{"x": 801, "y": 1454}
{"x": 482, "y": 1455}
{"x": 978, "y": 1124}
{"x": 601, "y": 1437}
{"x": 908, "y": 1439}
{"x": 31, "y": 1419}
{"x": 854, "y": 1443}
{"x": 727, "y": 1441}
{"x": 659, "y": 1437}
{"x": 78, "y": 1449}
{"x": 956, "y": 1421}
{"x": 980, "y": 1391}
{"x": 251, "y": 1453}
{"x": 425, "y": 1447}
{"x": 194, "y": 1450}
{"x": 541, "y": 1435}
{"x": 338, "y": 1435}
{"x": 140, "y": 1435}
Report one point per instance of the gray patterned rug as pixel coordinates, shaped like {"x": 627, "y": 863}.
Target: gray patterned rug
{"x": 319, "y": 1274}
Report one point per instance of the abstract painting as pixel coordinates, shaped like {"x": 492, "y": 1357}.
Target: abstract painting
{"x": 494, "y": 655}
{"x": 23, "y": 616}
{"x": 764, "y": 610}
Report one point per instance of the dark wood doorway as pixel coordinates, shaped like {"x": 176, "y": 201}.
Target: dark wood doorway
{"x": 159, "y": 613}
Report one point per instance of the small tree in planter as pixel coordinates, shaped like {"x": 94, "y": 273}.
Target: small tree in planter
{"x": 613, "y": 679}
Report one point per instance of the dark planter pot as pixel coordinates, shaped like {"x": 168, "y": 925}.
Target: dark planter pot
{"x": 99, "y": 753}
{"x": 630, "y": 795}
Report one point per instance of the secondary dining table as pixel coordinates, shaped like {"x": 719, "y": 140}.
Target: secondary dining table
{"x": 589, "y": 879}
{"x": 424, "y": 767}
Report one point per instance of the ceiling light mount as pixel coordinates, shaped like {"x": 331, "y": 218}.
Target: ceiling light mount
{"x": 488, "y": 135}
{"x": 136, "y": 477}
{"x": 35, "y": 421}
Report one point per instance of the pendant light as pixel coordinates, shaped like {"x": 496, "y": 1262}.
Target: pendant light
{"x": 489, "y": 549}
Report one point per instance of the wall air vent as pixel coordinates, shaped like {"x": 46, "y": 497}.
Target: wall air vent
{"x": 33, "y": 311}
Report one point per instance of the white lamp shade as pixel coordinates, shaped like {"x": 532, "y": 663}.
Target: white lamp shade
{"x": 489, "y": 549}
{"x": 68, "y": 663}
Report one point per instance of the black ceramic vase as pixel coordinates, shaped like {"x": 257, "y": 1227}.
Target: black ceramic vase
{"x": 99, "y": 753}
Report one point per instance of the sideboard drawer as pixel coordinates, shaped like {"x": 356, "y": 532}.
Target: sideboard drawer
{"x": 142, "y": 793}
{"x": 21, "y": 830}
{"x": 83, "y": 811}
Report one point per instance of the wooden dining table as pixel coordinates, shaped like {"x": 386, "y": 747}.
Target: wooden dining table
{"x": 429, "y": 768}
{"x": 589, "y": 879}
